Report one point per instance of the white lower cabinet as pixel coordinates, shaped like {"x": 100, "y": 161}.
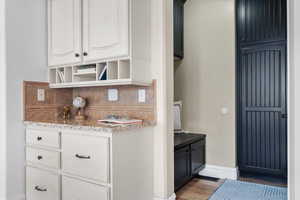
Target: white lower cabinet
{"x": 86, "y": 156}
{"x": 80, "y": 190}
{"x": 46, "y": 138}
{"x": 42, "y": 185}
{"x": 43, "y": 157}
{"x": 67, "y": 164}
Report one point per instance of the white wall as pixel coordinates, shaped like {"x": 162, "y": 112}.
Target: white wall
{"x": 162, "y": 68}
{"x": 294, "y": 108}
{"x": 26, "y": 60}
{"x": 205, "y": 79}
{"x": 2, "y": 103}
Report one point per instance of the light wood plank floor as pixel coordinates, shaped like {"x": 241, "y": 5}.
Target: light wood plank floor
{"x": 200, "y": 189}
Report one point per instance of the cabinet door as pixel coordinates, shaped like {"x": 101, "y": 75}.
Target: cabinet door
{"x": 64, "y": 32}
{"x": 42, "y": 185}
{"x": 105, "y": 29}
{"x": 178, "y": 28}
{"x": 86, "y": 156}
{"x": 73, "y": 189}
{"x": 182, "y": 166}
{"x": 197, "y": 156}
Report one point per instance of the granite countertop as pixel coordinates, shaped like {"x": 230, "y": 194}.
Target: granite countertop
{"x": 182, "y": 139}
{"x": 87, "y": 125}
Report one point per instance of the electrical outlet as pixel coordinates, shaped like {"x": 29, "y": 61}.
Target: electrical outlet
{"x": 41, "y": 95}
{"x": 142, "y": 95}
{"x": 113, "y": 95}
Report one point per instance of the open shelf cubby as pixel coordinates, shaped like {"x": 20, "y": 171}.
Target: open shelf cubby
{"x": 114, "y": 71}
{"x": 84, "y": 73}
{"x": 124, "y": 69}
{"x": 52, "y": 76}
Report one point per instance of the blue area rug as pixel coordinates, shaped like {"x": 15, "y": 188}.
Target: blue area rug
{"x": 237, "y": 190}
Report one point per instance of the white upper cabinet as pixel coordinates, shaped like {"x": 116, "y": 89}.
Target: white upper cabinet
{"x": 99, "y": 42}
{"x": 105, "y": 29}
{"x": 64, "y": 32}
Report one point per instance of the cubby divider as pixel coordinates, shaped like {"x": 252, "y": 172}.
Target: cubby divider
{"x": 105, "y": 72}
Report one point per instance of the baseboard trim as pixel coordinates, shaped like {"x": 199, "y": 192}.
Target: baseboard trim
{"x": 172, "y": 197}
{"x": 219, "y": 172}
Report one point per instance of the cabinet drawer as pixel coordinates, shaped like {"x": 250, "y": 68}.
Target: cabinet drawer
{"x": 43, "y": 138}
{"x": 43, "y": 157}
{"x": 42, "y": 185}
{"x": 79, "y": 190}
{"x": 86, "y": 156}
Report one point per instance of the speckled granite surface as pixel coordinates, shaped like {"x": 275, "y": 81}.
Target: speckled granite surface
{"x": 87, "y": 125}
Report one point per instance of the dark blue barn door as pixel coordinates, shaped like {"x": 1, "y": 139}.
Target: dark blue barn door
{"x": 261, "y": 86}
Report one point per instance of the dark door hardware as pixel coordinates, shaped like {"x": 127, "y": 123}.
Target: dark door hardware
{"x": 82, "y": 157}
{"x": 77, "y": 55}
{"x": 40, "y": 157}
{"x": 39, "y": 138}
{"x": 37, "y": 188}
{"x": 85, "y": 54}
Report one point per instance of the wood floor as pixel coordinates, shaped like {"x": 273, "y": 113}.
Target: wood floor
{"x": 201, "y": 189}
{"x": 198, "y": 189}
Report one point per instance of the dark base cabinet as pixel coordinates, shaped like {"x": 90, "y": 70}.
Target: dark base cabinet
{"x": 197, "y": 157}
{"x": 182, "y": 166}
{"x": 189, "y": 158}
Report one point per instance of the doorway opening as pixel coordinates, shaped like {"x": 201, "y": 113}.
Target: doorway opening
{"x": 230, "y": 78}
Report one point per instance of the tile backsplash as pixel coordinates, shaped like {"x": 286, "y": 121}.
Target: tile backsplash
{"x": 97, "y": 107}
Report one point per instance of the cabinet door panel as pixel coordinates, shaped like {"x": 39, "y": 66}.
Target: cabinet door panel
{"x": 79, "y": 190}
{"x": 105, "y": 29}
{"x": 178, "y": 28}
{"x": 46, "y": 138}
{"x": 182, "y": 166}
{"x": 86, "y": 156}
{"x": 64, "y": 32}
{"x": 42, "y": 185}
{"x": 198, "y": 156}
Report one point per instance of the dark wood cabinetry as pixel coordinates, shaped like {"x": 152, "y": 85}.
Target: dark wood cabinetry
{"x": 182, "y": 166}
{"x": 197, "y": 156}
{"x": 189, "y": 157}
{"x": 178, "y": 28}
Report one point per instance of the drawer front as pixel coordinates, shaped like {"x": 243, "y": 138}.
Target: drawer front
{"x": 43, "y": 157}
{"x": 79, "y": 190}
{"x": 43, "y": 138}
{"x": 86, "y": 156}
{"x": 42, "y": 185}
